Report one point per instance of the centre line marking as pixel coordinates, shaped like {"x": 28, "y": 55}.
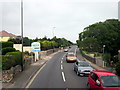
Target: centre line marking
{"x": 62, "y": 67}
{"x": 64, "y": 55}
{"x": 61, "y": 61}
{"x": 63, "y": 75}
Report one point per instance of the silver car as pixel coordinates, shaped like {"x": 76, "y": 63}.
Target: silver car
{"x": 82, "y": 68}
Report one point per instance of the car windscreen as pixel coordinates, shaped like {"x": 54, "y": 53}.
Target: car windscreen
{"x": 110, "y": 81}
{"x": 84, "y": 64}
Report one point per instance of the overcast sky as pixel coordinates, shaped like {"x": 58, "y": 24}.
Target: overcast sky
{"x": 69, "y": 17}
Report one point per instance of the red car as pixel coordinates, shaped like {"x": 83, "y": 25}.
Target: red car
{"x": 103, "y": 80}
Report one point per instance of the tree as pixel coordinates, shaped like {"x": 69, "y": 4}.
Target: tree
{"x": 102, "y": 33}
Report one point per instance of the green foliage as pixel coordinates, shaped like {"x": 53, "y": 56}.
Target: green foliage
{"x": 7, "y": 49}
{"x": 6, "y": 44}
{"x": 118, "y": 68}
{"x": 26, "y": 53}
{"x": 11, "y": 59}
{"x": 27, "y": 41}
{"x": 103, "y": 33}
{"x": 97, "y": 54}
{"x": 106, "y": 57}
{"x": 115, "y": 58}
{"x": 84, "y": 52}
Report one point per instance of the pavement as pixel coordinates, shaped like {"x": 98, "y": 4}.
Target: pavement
{"x": 23, "y": 78}
{"x": 92, "y": 64}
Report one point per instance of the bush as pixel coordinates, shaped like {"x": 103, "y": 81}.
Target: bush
{"x": 97, "y": 54}
{"x": 11, "y": 59}
{"x": 115, "y": 58}
{"x": 6, "y": 44}
{"x": 118, "y": 68}
{"x": 8, "y": 49}
{"x": 84, "y": 52}
{"x": 106, "y": 57}
{"x": 26, "y": 53}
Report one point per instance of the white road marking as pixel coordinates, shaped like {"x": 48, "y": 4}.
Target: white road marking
{"x": 62, "y": 58}
{"x": 35, "y": 76}
{"x": 64, "y": 55}
{"x": 61, "y": 67}
{"x": 61, "y": 61}
{"x": 63, "y": 75}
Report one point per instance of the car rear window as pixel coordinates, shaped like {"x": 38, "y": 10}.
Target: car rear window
{"x": 71, "y": 55}
{"x": 84, "y": 64}
{"x": 110, "y": 81}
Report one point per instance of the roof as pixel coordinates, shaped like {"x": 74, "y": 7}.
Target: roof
{"x": 103, "y": 73}
{"x": 6, "y": 34}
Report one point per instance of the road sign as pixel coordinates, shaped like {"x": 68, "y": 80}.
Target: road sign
{"x": 36, "y": 46}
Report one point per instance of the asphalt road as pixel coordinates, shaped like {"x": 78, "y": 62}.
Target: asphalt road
{"x": 57, "y": 73}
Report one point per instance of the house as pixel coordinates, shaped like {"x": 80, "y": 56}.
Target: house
{"x": 5, "y": 36}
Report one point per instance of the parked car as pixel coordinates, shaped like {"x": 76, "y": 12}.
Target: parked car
{"x": 103, "y": 80}
{"x": 82, "y": 68}
{"x": 71, "y": 57}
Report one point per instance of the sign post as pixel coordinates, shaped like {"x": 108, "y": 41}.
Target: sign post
{"x": 36, "y": 48}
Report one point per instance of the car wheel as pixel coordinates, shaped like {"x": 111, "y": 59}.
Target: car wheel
{"x": 78, "y": 73}
{"x": 88, "y": 86}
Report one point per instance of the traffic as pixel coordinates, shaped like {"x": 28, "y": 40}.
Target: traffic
{"x": 96, "y": 79}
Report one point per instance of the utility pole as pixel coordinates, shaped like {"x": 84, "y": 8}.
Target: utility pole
{"x": 22, "y": 33}
{"x": 53, "y": 36}
{"x": 104, "y": 63}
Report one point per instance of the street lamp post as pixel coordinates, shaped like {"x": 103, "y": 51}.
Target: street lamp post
{"x": 22, "y": 33}
{"x": 53, "y": 36}
{"x": 104, "y": 63}
{"x": 103, "y": 49}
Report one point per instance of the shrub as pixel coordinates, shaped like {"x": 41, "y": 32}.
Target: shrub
{"x": 106, "y": 57}
{"x": 118, "y": 68}
{"x": 17, "y": 56}
{"x": 6, "y": 44}
{"x": 115, "y": 58}
{"x": 7, "y": 49}
{"x": 26, "y": 53}
{"x": 84, "y": 52}
{"x": 10, "y": 60}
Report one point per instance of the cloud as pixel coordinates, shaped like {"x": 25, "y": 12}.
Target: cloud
{"x": 69, "y": 17}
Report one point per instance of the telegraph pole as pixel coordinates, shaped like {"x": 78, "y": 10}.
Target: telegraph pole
{"x": 22, "y": 33}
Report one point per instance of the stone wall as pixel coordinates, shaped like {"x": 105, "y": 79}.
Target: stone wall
{"x": 99, "y": 61}
{"x": 8, "y": 75}
{"x": 96, "y": 60}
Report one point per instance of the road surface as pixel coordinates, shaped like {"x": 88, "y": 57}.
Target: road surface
{"x": 57, "y": 73}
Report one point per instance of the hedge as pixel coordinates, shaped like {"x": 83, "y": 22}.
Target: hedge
{"x": 11, "y": 59}
{"x": 6, "y": 44}
{"x": 7, "y": 49}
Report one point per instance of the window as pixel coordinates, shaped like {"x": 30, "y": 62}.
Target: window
{"x": 94, "y": 76}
